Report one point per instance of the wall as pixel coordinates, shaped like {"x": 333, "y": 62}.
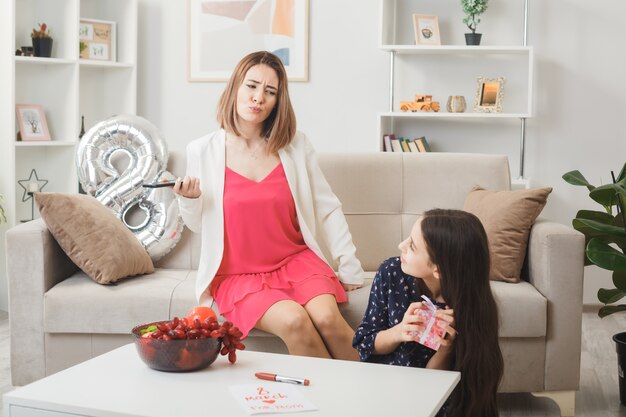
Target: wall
{"x": 580, "y": 96}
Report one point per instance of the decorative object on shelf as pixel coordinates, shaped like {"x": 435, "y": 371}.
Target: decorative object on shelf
{"x": 280, "y": 27}
{"x": 421, "y": 103}
{"x": 42, "y": 42}
{"x": 489, "y": 95}
{"x": 473, "y": 9}
{"x": 24, "y": 51}
{"x": 31, "y": 186}
{"x": 456, "y": 104}
{"x": 97, "y": 40}
{"x": 151, "y": 214}
{"x": 32, "y": 123}
{"x": 426, "y": 29}
{"x": 3, "y": 215}
{"x": 605, "y": 238}
{"x": 82, "y": 127}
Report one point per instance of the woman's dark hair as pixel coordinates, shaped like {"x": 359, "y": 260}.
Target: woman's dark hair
{"x": 280, "y": 126}
{"x": 457, "y": 243}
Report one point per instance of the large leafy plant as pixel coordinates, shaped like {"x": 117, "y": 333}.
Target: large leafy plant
{"x": 605, "y": 235}
{"x": 473, "y": 9}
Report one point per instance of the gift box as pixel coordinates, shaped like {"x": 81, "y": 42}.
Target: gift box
{"x": 435, "y": 328}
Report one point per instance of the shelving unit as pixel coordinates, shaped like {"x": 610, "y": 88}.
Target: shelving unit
{"x": 447, "y": 70}
{"x": 66, "y": 86}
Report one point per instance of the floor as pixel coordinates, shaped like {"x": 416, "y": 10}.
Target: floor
{"x": 598, "y": 395}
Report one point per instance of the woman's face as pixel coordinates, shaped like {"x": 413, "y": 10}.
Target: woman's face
{"x": 414, "y": 256}
{"x": 256, "y": 96}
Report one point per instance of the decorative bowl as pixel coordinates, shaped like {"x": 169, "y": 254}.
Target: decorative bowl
{"x": 178, "y": 355}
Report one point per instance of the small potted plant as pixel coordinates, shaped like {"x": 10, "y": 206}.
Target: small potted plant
{"x": 473, "y": 9}
{"x": 42, "y": 42}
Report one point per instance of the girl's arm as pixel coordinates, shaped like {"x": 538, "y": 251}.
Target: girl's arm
{"x": 443, "y": 358}
{"x": 388, "y": 340}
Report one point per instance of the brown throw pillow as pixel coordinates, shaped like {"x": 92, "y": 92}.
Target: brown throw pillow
{"x": 93, "y": 237}
{"x": 507, "y": 217}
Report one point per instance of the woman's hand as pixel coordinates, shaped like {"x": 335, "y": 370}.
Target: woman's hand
{"x": 188, "y": 187}
{"x": 351, "y": 287}
{"x": 411, "y": 323}
{"x": 447, "y": 342}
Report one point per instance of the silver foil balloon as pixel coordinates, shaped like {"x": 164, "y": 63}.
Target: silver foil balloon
{"x": 151, "y": 214}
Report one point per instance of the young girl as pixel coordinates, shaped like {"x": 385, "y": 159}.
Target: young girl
{"x": 446, "y": 258}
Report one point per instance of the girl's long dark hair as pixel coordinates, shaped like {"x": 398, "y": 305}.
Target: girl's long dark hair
{"x": 457, "y": 243}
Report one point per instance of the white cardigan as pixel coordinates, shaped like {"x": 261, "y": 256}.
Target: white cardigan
{"x": 319, "y": 210}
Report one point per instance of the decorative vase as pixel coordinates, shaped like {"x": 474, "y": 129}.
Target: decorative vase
{"x": 456, "y": 104}
{"x": 473, "y": 38}
{"x": 42, "y": 47}
{"x": 620, "y": 347}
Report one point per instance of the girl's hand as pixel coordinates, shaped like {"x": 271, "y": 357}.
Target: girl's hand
{"x": 447, "y": 342}
{"x": 351, "y": 287}
{"x": 188, "y": 187}
{"x": 411, "y": 323}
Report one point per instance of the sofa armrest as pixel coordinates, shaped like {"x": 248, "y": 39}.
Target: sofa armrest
{"x": 35, "y": 263}
{"x": 556, "y": 269}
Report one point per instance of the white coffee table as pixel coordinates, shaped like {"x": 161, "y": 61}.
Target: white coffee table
{"x": 118, "y": 383}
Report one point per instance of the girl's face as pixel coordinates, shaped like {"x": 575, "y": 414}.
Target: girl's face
{"x": 256, "y": 96}
{"x": 414, "y": 256}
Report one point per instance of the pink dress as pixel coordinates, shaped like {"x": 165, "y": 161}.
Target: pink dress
{"x": 265, "y": 258}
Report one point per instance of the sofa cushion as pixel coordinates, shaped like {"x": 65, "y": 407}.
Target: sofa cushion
{"x": 507, "y": 217}
{"x": 93, "y": 237}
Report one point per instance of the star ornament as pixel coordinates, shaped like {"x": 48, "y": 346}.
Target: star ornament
{"x": 31, "y": 185}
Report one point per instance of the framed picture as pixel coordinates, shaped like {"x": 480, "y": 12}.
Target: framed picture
{"x": 278, "y": 26}
{"x": 489, "y": 95}
{"x": 97, "y": 40}
{"x": 426, "y": 29}
{"x": 31, "y": 121}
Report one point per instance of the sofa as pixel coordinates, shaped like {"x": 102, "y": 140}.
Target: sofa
{"x": 60, "y": 317}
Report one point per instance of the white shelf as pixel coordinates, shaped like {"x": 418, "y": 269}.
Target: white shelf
{"x": 444, "y": 115}
{"x": 458, "y": 49}
{"x": 35, "y": 144}
{"x": 31, "y": 60}
{"x": 104, "y": 64}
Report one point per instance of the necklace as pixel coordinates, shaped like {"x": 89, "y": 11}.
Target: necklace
{"x": 254, "y": 153}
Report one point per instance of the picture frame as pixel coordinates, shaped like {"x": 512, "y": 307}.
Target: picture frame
{"x": 280, "y": 27}
{"x": 31, "y": 121}
{"x": 426, "y": 29}
{"x": 489, "y": 95}
{"x": 97, "y": 40}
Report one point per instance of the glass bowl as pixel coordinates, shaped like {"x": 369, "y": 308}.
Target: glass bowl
{"x": 178, "y": 355}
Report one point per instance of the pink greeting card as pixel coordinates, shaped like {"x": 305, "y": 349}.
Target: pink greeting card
{"x": 435, "y": 328}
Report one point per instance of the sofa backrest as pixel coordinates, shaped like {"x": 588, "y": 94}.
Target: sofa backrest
{"x": 382, "y": 194}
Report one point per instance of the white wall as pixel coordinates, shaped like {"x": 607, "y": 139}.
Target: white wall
{"x": 580, "y": 94}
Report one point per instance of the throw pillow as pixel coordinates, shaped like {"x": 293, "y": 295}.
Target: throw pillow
{"x": 507, "y": 217}
{"x": 93, "y": 237}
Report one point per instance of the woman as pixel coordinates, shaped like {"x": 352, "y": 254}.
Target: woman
{"x": 445, "y": 258}
{"x": 255, "y": 191}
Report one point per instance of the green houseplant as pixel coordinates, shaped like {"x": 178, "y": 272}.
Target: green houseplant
{"x": 473, "y": 9}
{"x": 42, "y": 42}
{"x": 605, "y": 238}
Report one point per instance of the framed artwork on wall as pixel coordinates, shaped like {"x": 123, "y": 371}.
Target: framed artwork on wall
{"x": 31, "y": 120}
{"x": 489, "y": 95}
{"x": 97, "y": 40}
{"x": 426, "y": 29}
{"x": 222, "y": 32}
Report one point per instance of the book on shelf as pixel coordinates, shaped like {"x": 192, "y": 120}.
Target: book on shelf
{"x": 422, "y": 144}
{"x": 412, "y": 145}
{"x": 403, "y": 144}
{"x": 395, "y": 145}
{"x": 387, "y": 142}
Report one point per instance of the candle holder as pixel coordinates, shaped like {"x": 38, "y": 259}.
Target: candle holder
{"x": 31, "y": 186}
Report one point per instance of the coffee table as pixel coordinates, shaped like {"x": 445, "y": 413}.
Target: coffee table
{"x": 118, "y": 383}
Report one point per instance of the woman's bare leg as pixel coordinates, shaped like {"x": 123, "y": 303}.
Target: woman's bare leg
{"x": 290, "y": 321}
{"x": 335, "y": 331}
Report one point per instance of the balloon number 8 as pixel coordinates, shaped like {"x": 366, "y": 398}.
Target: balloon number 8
{"x": 159, "y": 224}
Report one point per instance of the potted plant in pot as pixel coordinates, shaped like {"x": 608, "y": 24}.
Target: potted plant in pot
{"x": 42, "y": 42}
{"x": 473, "y": 9}
{"x": 605, "y": 238}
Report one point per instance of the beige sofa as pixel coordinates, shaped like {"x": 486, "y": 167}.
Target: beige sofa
{"x": 60, "y": 317}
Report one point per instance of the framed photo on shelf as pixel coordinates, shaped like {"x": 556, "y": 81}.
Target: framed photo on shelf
{"x": 281, "y": 27}
{"x": 97, "y": 40}
{"x": 489, "y": 95}
{"x": 31, "y": 121}
{"x": 426, "y": 29}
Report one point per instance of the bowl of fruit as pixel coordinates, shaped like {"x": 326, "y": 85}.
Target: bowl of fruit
{"x": 187, "y": 344}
